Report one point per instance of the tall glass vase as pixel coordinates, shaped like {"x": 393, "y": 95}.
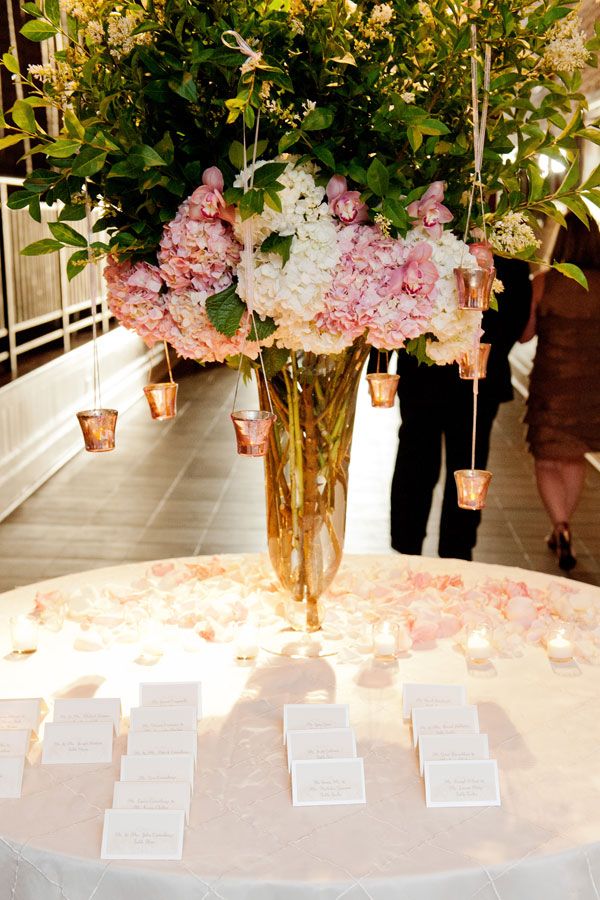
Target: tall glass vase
{"x": 306, "y": 473}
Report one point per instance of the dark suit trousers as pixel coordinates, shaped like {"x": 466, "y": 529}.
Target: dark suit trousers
{"x": 428, "y": 423}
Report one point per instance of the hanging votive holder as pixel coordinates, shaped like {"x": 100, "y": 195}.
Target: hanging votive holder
{"x": 474, "y": 287}
{"x": 252, "y": 430}
{"x": 472, "y": 487}
{"x": 473, "y": 363}
{"x": 98, "y": 427}
{"x": 382, "y": 388}
{"x": 162, "y": 400}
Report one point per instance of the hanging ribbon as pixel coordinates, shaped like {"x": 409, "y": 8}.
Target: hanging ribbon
{"x": 92, "y": 287}
{"x": 254, "y": 56}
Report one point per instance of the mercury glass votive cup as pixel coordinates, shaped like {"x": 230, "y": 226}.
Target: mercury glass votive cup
{"x": 472, "y": 487}
{"x": 98, "y": 428}
{"x": 382, "y": 388}
{"x": 473, "y": 362}
{"x": 474, "y": 287}
{"x": 252, "y": 430}
{"x": 162, "y": 400}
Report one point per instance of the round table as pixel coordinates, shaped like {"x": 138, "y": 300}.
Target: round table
{"x": 245, "y": 840}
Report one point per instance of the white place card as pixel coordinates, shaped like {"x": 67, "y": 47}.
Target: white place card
{"x": 310, "y": 716}
{"x": 452, "y": 747}
{"x": 14, "y": 743}
{"x": 152, "y": 743}
{"x": 77, "y": 744}
{"x": 142, "y": 834}
{"x": 174, "y": 693}
{"x": 88, "y": 711}
{"x": 152, "y": 795}
{"x": 328, "y": 782}
{"x": 473, "y": 783}
{"x": 11, "y": 777}
{"x": 18, "y": 715}
{"x": 163, "y": 718}
{"x": 176, "y": 767}
{"x": 431, "y": 695}
{"x": 325, "y": 743}
{"x": 444, "y": 720}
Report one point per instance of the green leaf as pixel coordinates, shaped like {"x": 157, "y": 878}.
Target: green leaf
{"x": 418, "y": 347}
{"x": 378, "y": 178}
{"x": 395, "y": 212}
{"x": 38, "y": 30}
{"x": 252, "y": 202}
{"x": 73, "y": 125}
{"x": 225, "y": 311}
{"x": 24, "y": 117}
{"x": 89, "y": 161}
{"x": 186, "y": 88}
{"x": 317, "y": 119}
{"x": 62, "y": 149}
{"x": 67, "y": 235}
{"x": 415, "y": 137}
{"x": 33, "y": 10}
{"x": 11, "y": 63}
{"x": 10, "y": 140}
{"x": 52, "y": 11}
{"x": 573, "y": 272}
{"x": 72, "y": 212}
{"x": 268, "y": 174}
{"x": 272, "y": 199}
{"x": 578, "y": 207}
{"x": 35, "y": 209}
{"x": 325, "y": 156}
{"x": 236, "y": 153}
{"x": 19, "y": 199}
{"x": 39, "y": 248}
{"x": 76, "y": 263}
{"x": 288, "y": 140}
{"x": 278, "y": 243}
{"x": 274, "y": 359}
{"x": 260, "y": 329}
{"x": 147, "y": 156}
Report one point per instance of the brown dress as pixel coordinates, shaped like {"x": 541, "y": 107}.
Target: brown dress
{"x": 563, "y": 409}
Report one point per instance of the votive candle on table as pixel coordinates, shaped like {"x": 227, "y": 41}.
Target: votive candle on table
{"x": 385, "y": 640}
{"x": 246, "y": 642}
{"x": 24, "y": 634}
{"x": 479, "y": 644}
{"x": 559, "y": 646}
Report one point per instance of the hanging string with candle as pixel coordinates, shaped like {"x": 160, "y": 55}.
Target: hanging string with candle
{"x": 474, "y": 285}
{"x": 97, "y": 424}
{"x": 162, "y": 396}
{"x": 382, "y": 385}
{"x": 252, "y": 426}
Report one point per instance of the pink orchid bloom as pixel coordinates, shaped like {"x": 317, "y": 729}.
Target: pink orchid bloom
{"x": 429, "y": 211}
{"x": 418, "y": 275}
{"x": 483, "y": 253}
{"x": 345, "y": 204}
{"x": 207, "y": 201}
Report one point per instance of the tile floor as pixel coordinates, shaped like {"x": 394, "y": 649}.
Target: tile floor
{"x": 178, "y": 488}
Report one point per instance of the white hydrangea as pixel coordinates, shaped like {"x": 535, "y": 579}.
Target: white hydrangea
{"x": 565, "y": 50}
{"x": 512, "y": 233}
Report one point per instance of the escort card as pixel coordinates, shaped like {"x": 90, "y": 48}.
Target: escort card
{"x": 142, "y": 834}
{"x": 76, "y": 744}
{"x": 462, "y": 783}
{"x": 11, "y": 777}
{"x": 17, "y": 715}
{"x": 163, "y": 718}
{"x": 444, "y": 720}
{"x": 151, "y": 743}
{"x": 175, "y": 693}
{"x": 452, "y": 747}
{"x": 152, "y": 795}
{"x": 327, "y": 782}
{"x": 310, "y": 716}
{"x": 89, "y": 711}
{"x": 175, "y": 767}
{"x": 431, "y": 695}
{"x": 326, "y": 743}
{"x": 14, "y": 743}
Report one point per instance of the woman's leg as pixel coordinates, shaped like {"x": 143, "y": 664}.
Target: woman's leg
{"x": 560, "y": 483}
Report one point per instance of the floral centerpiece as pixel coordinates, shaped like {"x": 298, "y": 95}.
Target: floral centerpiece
{"x": 289, "y": 199}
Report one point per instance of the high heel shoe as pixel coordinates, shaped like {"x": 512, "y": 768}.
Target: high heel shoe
{"x": 560, "y": 542}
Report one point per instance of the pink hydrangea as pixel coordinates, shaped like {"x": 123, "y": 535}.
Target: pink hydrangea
{"x": 136, "y": 297}
{"x": 197, "y": 253}
{"x": 379, "y": 286}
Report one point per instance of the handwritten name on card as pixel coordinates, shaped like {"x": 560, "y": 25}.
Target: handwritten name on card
{"x": 14, "y": 743}
{"x": 158, "y": 768}
{"x": 152, "y": 795}
{"x": 444, "y": 720}
{"x": 175, "y": 693}
{"x": 473, "y": 783}
{"x": 142, "y": 834}
{"x": 310, "y": 716}
{"x": 11, "y": 777}
{"x": 152, "y": 743}
{"x": 417, "y": 695}
{"x": 328, "y": 782}
{"x": 77, "y": 744}
{"x": 325, "y": 743}
{"x": 89, "y": 711}
{"x": 20, "y": 715}
{"x": 452, "y": 747}
{"x": 163, "y": 718}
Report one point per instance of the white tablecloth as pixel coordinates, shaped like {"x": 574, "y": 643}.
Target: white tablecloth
{"x": 246, "y": 841}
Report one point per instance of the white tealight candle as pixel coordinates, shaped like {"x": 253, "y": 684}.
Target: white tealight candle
{"x": 246, "y": 642}
{"x": 559, "y": 647}
{"x": 479, "y": 646}
{"x": 385, "y": 640}
{"x": 24, "y": 634}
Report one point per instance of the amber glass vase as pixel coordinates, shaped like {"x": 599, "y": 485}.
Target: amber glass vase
{"x": 306, "y": 473}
